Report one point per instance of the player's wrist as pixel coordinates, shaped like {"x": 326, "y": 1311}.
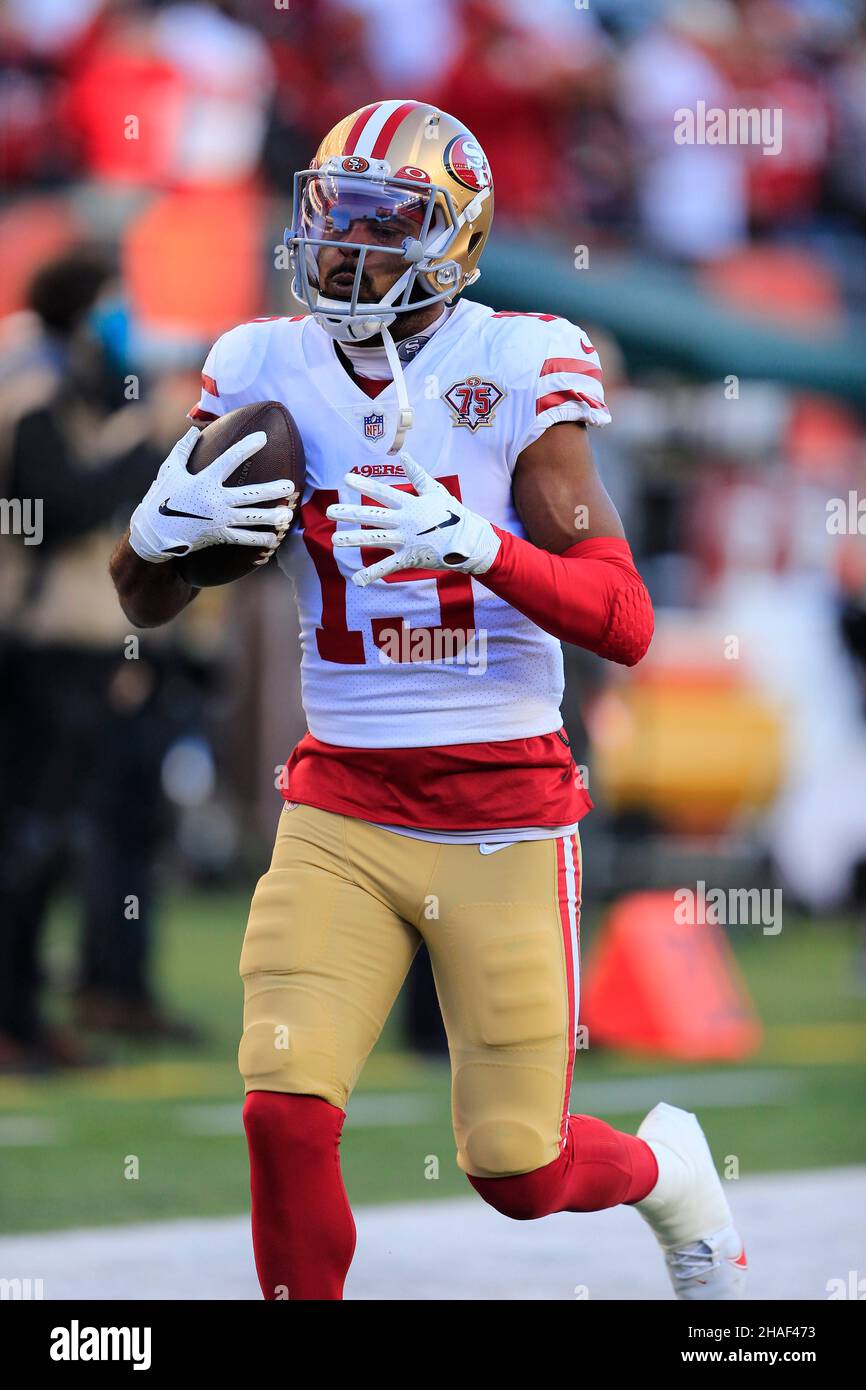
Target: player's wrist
{"x": 482, "y": 550}
{"x": 490, "y": 547}
{"x": 157, "y": 538}
{"x": 143, "y": 539}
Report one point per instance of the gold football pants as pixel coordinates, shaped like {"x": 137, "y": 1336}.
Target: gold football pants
{"x": 333, "y": 927}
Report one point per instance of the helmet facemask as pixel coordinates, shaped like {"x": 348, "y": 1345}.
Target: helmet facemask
{"x": 413, "y": 221}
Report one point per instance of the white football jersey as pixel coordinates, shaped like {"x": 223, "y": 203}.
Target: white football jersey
{"x": 418, "y": 659}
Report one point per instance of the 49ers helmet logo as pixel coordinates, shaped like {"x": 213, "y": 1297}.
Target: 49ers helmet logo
{"x": 355, "y": 164}
{"x": 467, "y": 163}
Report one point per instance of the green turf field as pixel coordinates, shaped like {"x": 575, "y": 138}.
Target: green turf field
{"x": 174, "y": 1118}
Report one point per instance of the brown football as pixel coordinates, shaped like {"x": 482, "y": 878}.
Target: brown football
{"x": 281, "y": 457}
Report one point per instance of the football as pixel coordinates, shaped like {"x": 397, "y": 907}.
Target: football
{"x": 281, "y": 457}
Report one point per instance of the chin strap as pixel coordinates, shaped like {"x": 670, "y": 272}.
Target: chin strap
{"x": 405, "y": 413}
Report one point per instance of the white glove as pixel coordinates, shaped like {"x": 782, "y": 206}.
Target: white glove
{"x": 185, "y": 511}
{"x": 432, "y": 531}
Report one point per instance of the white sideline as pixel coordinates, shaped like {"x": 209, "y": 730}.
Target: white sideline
{"x": 801, "y": 1230}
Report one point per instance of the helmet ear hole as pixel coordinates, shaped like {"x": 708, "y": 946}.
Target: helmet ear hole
{"x": 474, "y": 241}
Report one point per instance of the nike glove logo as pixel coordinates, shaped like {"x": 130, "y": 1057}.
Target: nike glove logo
{"x": 166, "y": 510}
{"x": 452, "y": 521}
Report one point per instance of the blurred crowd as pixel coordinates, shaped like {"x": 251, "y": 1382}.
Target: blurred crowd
{"x": 572, "y": 102}
{"x": 146, "y": 158}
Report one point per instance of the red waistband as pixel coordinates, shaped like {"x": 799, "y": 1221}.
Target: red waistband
{"x": 464, "y": 786}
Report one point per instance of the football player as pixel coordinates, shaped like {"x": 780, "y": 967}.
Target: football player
{"x": 453, "y": 533}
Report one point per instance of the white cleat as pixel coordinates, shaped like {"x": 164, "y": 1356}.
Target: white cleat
{"x": 688, "y": 1210}
{"x": 714, "y": 1268}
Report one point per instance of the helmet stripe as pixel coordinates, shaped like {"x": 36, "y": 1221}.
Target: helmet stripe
{"x": 366, "y": 131}
{"x": 375, "y": 127}
{"x": 389, "y": 129}
{"x": 355, "y": 133}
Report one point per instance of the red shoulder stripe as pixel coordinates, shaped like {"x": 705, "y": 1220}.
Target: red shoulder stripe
{"x": 564, "y": 398}
{"x": 570, "y": 364}
{"x": 516, "y": 314}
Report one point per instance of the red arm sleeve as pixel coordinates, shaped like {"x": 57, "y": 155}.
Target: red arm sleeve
{"x": 591, "y": 596}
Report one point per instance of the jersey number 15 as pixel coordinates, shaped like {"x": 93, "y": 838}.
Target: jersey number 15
{"x": 338, "y": 642}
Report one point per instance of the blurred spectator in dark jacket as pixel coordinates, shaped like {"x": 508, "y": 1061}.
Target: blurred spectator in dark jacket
{"x": 84, "y": 721}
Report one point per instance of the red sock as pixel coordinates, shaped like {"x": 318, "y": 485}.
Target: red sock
{"x": 599, "y": 1167}
{"x": 303, "y": 1232}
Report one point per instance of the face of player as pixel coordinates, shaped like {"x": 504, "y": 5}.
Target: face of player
{"x": 375, "y": 216}
{"x": 338, "y": 265}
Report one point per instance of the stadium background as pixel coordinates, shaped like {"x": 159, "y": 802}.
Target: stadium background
{"x": 147, "y": 158}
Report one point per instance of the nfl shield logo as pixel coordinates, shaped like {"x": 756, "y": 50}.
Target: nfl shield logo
{"x": 374, "y": 426}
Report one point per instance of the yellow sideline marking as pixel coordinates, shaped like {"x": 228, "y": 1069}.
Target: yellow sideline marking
{"x": 169, "y": 1080}
{"x": 806, "y": 1044}
{"x": 815, "y": 1044}
{"x": 143, "y": 1081}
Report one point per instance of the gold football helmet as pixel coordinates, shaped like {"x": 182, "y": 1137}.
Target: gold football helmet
{"x": 420, "y": 186}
